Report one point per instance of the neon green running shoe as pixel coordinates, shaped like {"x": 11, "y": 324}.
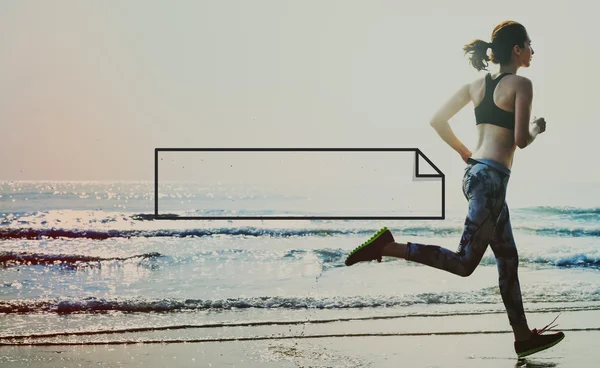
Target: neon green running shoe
{"x": 371, "y": 249}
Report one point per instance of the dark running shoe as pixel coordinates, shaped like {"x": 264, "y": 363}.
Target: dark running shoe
{"x": 538, "y": 342}
{"x": 371, "y": 249}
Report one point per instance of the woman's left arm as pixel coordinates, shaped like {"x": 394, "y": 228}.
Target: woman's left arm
{"x": 440, "y": 120}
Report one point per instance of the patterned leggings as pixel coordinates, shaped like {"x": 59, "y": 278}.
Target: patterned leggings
{"x": 487, "y": 222}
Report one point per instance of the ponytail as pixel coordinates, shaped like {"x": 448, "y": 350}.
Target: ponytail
{"x": 504, "y": 37}
{"x": 478, "y": 50}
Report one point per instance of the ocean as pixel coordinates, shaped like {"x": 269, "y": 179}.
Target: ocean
{"x": 81, "y": 259}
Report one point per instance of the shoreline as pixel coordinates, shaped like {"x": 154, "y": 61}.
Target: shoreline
{"x": 576, "y": 350}
{"x": 445, "y": 341}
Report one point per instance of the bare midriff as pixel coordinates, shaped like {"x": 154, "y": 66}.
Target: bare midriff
{"x": 495, "y": 143}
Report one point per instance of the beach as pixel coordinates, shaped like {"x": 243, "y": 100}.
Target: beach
{"x": 448, "y": 341}
{"x": 184, "y": 186}
{"x": 90, "y": 278}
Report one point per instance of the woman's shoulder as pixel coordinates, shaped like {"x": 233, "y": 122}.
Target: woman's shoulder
{"x": 519, "y": 83}
{"x": 477, "y": 84}
{"x": 518, "y": 80}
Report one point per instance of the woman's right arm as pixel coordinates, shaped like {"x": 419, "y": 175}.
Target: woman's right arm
{"x": 525, "y": 132}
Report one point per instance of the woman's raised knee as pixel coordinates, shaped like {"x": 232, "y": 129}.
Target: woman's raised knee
{"x": 467, "y": 270}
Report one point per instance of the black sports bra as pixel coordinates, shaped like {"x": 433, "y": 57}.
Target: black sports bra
{"x": 488, "y": 112}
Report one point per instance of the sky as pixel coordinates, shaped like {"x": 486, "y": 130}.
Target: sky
{"x": 90, "y": 89}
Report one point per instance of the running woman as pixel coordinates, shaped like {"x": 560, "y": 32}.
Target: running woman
{"x": 502, "y": 103}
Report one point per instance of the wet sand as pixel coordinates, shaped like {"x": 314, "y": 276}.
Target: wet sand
{"x": 449, "y": 341}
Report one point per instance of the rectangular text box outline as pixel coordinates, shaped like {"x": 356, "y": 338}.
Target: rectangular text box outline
{"x": 417, "y": 152}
